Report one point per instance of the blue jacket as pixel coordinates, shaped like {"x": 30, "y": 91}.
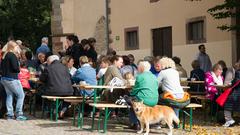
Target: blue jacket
{"x": 43, "y": 49}
{"x": 88, "y": 74}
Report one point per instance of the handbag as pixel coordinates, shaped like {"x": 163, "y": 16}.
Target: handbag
{"x": 223, "y": 97}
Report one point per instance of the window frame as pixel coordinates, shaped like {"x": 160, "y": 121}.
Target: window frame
{"x": 191, "y": 21}
{"x": 132, "y": 29}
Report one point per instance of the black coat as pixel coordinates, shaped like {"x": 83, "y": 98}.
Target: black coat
{"x": 57, "y": 80}
{"x": 233, "y": 101}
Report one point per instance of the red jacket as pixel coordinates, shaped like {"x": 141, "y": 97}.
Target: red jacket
{"x": 24, "y": 76}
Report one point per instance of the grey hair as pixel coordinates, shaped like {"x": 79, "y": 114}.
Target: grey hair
{"x": 52, "y": 58}
{"x": 44, "y": 39}
{"x": 145, "y": 64}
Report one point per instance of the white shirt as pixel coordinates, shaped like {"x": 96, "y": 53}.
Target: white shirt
{"x": 169, "y": 81}
{"x": 101, "y": 72}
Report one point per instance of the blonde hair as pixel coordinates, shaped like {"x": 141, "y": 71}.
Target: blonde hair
{"x": 83, "y": 59}
{"x": 10, "y": 46}
{"x": 166, "y": 62}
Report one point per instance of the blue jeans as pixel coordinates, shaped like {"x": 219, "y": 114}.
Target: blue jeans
{"x": 14, "y": 88}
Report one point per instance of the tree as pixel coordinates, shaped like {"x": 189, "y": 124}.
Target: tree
{"x": 27, "y": 20}
{"x": 229, "y": 9}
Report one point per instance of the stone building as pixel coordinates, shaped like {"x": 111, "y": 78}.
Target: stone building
{"x": 147, "y": 27}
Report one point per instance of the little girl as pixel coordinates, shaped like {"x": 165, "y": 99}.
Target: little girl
{"x": 24, "y": 75}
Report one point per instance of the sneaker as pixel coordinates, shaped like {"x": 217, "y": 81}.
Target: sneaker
{"x": 21, "y": 118}
{"x": 10, "y": 117}
{"x": 229, "y": 123}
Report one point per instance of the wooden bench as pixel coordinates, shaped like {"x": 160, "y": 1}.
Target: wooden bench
{"x": 105, "y": 107}
{"x": 57, "y": 103}
{"x": 191, "y": 106}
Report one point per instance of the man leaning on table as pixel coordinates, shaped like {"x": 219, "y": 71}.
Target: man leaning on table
{"x": 56, "y": 77}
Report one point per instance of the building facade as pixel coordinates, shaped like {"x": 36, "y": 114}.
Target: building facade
{"x": 152, "y": 27}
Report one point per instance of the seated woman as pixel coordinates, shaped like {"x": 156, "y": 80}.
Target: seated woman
{"x": 212, "y": 78}
{"x": 182, "y": 72}
{"x": 198, "y": 75}
{"x": 232, "y": 103}
{"x": 145, "y": 89}
{"x": 113, "y": 71}
{"x": 68, "y": 61}
{"x": 169, "y": 81}
{"x": 85, "y": 73}
{"x": 127, "y": 67}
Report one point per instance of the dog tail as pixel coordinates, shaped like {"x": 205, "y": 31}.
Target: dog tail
{"x": 176, "y": 119}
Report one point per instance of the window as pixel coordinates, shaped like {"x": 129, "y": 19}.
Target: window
{"x": 196, "y": 31}
{"x": 151, "y": 1}
{"x": 131, "y": 38}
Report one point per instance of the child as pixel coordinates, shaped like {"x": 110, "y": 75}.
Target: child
{"x": 24, "y": 75}
{"x": 103, "y": 67}
{"x": 129, "y": 78}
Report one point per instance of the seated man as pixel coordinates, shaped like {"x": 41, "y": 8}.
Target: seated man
{"x": 57, "y": 80}
{"x": 145, "y": 89}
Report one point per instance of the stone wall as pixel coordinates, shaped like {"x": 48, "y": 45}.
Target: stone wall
{"x": 100, "y": 36}
{"x": 56, "y": 25}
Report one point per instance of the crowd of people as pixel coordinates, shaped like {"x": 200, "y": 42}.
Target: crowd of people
{"x": 80, "y": 63}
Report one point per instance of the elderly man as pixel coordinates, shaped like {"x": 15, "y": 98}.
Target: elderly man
{"x": 44, "y": 46}
{"x": 57, "y": 80}
{"x": 145, "y": 89}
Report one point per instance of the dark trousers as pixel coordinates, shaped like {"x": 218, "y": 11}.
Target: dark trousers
{"x": 3, "y": 96}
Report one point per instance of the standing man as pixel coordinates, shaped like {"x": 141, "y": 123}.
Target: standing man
{"x": 203, "y": 58}
{"x": 44, "y": 46}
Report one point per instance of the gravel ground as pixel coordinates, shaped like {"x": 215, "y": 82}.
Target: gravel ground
{"x": 119, "y": 126}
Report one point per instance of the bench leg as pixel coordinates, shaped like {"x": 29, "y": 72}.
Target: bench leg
{"x": 43, "y": 111}
{"x": 190, "y": 119}
{"x": 105, "y": 120}
{"x": 93, "y": 117}
{"x": 51, "y": 111}
{"x": 99, "y": 120}
{"x": 183, "y": 118}
{"x": 57, "y": 105}
{"x": 80, "y": 116}
{"x": 94, "y": 108}
{"x": 74, "y": 110}
{"x": 34, "y": 104}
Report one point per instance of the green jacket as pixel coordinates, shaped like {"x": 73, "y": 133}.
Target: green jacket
{"x": 146, "y": 88}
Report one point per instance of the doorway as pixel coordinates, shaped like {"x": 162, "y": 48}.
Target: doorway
{"x": 162, "y": 41}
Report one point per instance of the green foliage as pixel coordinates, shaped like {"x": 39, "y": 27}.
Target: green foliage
{"x": 229, "y": 9}
{"x": 27, "y": 20}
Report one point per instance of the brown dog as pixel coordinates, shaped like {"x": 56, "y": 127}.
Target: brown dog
{"x": 152, "y": 115}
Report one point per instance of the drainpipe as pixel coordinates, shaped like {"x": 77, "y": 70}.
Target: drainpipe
{"x": 107, "y": 24}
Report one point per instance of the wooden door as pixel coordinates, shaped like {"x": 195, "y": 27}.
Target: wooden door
{"x": 162, "y": 41}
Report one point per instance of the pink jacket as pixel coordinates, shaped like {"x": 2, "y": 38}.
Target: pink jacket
{"x": 211, "y": 90}
{"x": 24, "y": 76}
